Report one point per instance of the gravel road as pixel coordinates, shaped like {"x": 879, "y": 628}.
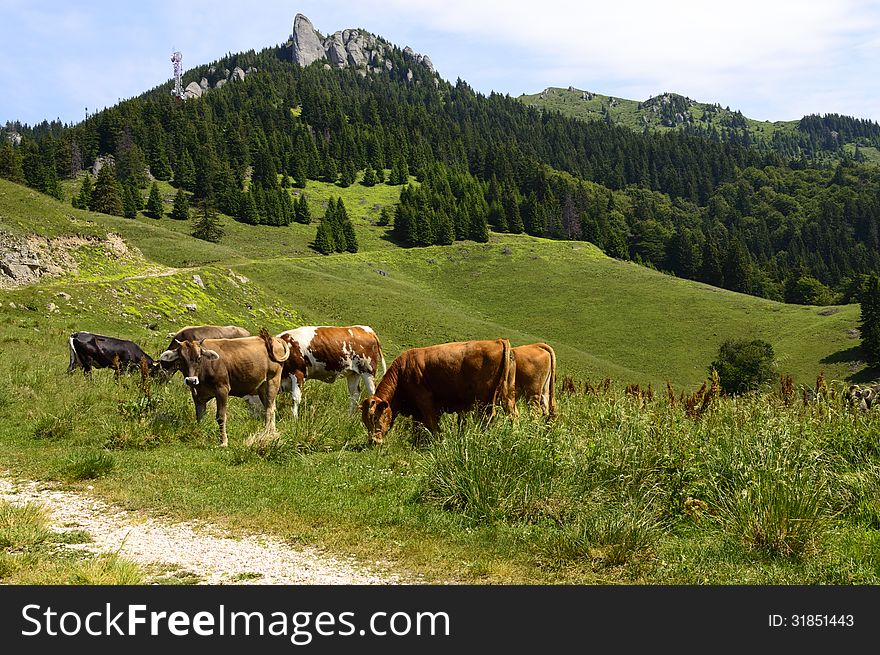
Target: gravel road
{"x": 200, "y": 551}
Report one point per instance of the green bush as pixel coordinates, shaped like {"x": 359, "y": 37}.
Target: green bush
{"x": 744, "y": 365}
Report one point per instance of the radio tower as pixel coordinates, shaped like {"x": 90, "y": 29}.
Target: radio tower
{"x": 177, "y": 60}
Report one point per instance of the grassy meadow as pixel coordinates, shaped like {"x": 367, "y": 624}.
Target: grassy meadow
{"x": 625, "y": 485}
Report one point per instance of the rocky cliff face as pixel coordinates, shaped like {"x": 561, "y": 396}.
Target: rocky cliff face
{"x": 355, "y": 48}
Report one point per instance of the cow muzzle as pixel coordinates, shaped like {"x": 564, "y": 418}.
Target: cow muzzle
{"x": 191, "y": 381}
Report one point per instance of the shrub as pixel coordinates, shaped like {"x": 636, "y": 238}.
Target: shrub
{"x": 743, "y": 365}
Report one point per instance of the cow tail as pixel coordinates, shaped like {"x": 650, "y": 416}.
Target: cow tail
{"x": 507, "y": 383}
{"x": 269, "y": 340}
{"x": 74, "y": 358}
{"x": 551, "y": 392}
{"x": 381, "y": 356}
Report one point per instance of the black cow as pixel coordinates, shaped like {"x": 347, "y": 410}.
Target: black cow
{"x": 97, "y": 351}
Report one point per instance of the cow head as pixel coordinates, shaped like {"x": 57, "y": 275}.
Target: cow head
{"x": 377, "y": 417}
{"x": 187, "y": 358}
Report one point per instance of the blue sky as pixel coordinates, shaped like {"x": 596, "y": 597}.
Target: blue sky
{"x": 772, "y": 59}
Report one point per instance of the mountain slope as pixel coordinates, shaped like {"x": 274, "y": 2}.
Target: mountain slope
{"x": 605, "y": 317}
{"x": 808, "y": 137}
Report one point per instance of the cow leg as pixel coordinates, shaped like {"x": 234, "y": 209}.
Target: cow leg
{"x": 268, "y": 393}
{"x": 222, "y": 400}
{"x": 354, "y": 391}
{"x": 296, "y": 383}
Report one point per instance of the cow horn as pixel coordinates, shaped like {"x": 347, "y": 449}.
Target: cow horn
{"x": 179, "y": 343}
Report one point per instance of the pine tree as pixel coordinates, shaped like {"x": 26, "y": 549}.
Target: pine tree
{"x": 130, "y": 203}
{"x": 302, "y": 212}
{"x": 331, "y": 172}
{"x": 185, "y": 172}
{"x": 348, "y": 175}
{"x": 384, "y": 216}
{"x": 323, "y": 241}
{"x": 154, "y": 209}
{"x": 207, "y": 225}
{"x": 107, "y": 196}
{"x": 342, "y": 228}
{"x": 248, "y": 212}
{"x": 10, "y": 162}
{"x": 180, "y": 210}
{"x": 869, "y": 318}
{"x": 369, "y": 177}
{"x": 83, "y": 200}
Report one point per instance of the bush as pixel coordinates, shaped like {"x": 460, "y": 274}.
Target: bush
{"x": 744, "y": 365}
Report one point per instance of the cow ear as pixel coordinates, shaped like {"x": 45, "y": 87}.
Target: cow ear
{"x": 210, "y": 355}
{"x": 169, "y": 356}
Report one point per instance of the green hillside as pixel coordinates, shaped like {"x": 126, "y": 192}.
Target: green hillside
{"x": 671, "y": 111}
{"x": 614, "y": 490}
{"x": 605, "y": 317}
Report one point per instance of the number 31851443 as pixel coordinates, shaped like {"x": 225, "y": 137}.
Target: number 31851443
{"x": 820, "y": 620}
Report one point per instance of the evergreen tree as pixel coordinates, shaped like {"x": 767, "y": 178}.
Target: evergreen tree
{"x": 83, "y": 200}
{"x": 248, "y": 212}
{"x": 869, "y": 318}
{"x": 107, "y": 196}
{"x": 10, "y": 162}
{"x": 323, "y": 240}
{"x": 130, "y": 201}
{"x": 131, "y": 166}
{"x": 348, "y": 175}
{"x": 369, "y": 177}
{"x": 155, "y": 208}
{"x": 384, "y": 216}
{"x": 300, "y": 172}
{"x": 207, "y": 225}
{"x": 343, "y": 234}
{"x": 180, "y": 209}
{"x": 351, "y": 242}
{"x": 331, "y": 172}
{"x": 185, "y": 172}
{"x": 302, "y": 212}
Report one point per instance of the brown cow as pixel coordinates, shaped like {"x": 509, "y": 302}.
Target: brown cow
{"x": 219, "y": 368}
{"x": 536, "y": 376}
{"x": 451, "y": 377}
{"x": 324, "y": 352}
{"x": 197, "y": 333}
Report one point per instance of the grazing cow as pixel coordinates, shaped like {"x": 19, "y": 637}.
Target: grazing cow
{"x": 197, "y": 332}
{"x": 90, "y": 351}
{"x": 451, "y": 377}
{"x": 864, "y": 397}
{"x": 324, "y": 352}
{"x": 536, "y": 376}
{"x": 219, "y": 368}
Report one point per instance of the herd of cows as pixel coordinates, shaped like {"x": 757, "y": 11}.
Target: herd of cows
{"x": 422, "y": 383}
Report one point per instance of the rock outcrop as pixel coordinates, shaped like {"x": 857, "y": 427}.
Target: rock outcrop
{"x": 346, "y": 48}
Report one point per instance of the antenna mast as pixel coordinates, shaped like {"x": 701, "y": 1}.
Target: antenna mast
{"x": 177, "y": 60}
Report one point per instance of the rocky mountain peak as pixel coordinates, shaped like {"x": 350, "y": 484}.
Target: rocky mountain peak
{"x": 346, "y": 48}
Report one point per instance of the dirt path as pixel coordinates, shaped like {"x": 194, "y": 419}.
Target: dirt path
{"x": 196, "y": 551}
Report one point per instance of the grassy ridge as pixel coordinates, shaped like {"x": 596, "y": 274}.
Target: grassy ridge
{"x": 631, "y": 113}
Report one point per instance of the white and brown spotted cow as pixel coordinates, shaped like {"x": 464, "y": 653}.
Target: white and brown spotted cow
{"x": 324, "y": 352}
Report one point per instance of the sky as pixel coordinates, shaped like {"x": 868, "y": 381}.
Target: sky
{"x": 771, "y": 59}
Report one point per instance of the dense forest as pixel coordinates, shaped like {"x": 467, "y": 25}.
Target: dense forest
{"x": 744, "y": 218}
